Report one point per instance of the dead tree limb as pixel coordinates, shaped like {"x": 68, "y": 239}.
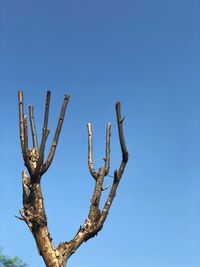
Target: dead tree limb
{"x": 33, "y": 212}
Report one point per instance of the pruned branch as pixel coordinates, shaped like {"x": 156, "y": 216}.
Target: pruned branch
{"x": 37, "y": 174}
{"x": 56, "y": 136}
{"x": 107, "y": 159}
{"x": 25, "y": 138}
{"x": 33, "y": 212}
{"x": 90, "y": 152}
{"x": 46, "y": 114}
{"x": 117, "y": 174}
{"x": 33, "y": 129}
{"x": 94, "y": 207}
{"x": 121, "y": 133}
{"x": 45, "y": 133}
{"x": 26, "y": 150}
{"x": 21, "y": 121}
{"x": 108, "y": 202}
{"x": 96, "y": 217}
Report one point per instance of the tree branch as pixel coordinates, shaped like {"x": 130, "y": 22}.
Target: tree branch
{"x": 56, "y": 136}
{"x": 33, "y": 212}
{"x": 121, "y": 133}
{"x": 33, "y": 129}
{"x": 107, "y": 159}
{"x": 25, "y": 137}
{"x": 117, "y": 174}
{"x": 46, "y": 114}
{"x": 96, "y": 218}
{"x": 21, "y": 121}
{"x": 45, "y": 133}
{"x": 108, "y": 203}
{"x": 90, "y": 152}
{"x": 94, "y": 213}
{"x": 26, "y": 151}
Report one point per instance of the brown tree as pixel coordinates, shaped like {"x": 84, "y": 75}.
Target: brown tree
{"x": 33, "y": 212}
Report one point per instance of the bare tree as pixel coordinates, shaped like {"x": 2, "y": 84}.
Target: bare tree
{"x": 33, "y": 212}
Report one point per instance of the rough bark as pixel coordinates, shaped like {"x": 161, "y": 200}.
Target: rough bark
{"x": 33, "y": 212}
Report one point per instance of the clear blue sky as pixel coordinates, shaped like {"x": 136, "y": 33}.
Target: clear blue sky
{"x": 143, "y": 53}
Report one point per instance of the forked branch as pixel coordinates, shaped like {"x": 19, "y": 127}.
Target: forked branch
{"x": 56, "y": 136}
{"x": 45, "y": 133}
{"x": 96, "y": 217}
{"x": 33, "y": 212}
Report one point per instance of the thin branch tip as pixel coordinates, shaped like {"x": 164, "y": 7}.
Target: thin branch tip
{"x": 118, "y": 104}
{"x": 89, "y": 127}
{"x": 67, "y": 97}
{"x": 20, "y": 95}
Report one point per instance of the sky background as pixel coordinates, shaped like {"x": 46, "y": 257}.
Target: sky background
{"x": 143, "y": 53}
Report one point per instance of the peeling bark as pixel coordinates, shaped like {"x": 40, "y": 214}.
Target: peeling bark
{"x": 33, "y": 212}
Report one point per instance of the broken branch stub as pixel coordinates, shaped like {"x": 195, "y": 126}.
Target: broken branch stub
{"x": 33, "y": 212}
